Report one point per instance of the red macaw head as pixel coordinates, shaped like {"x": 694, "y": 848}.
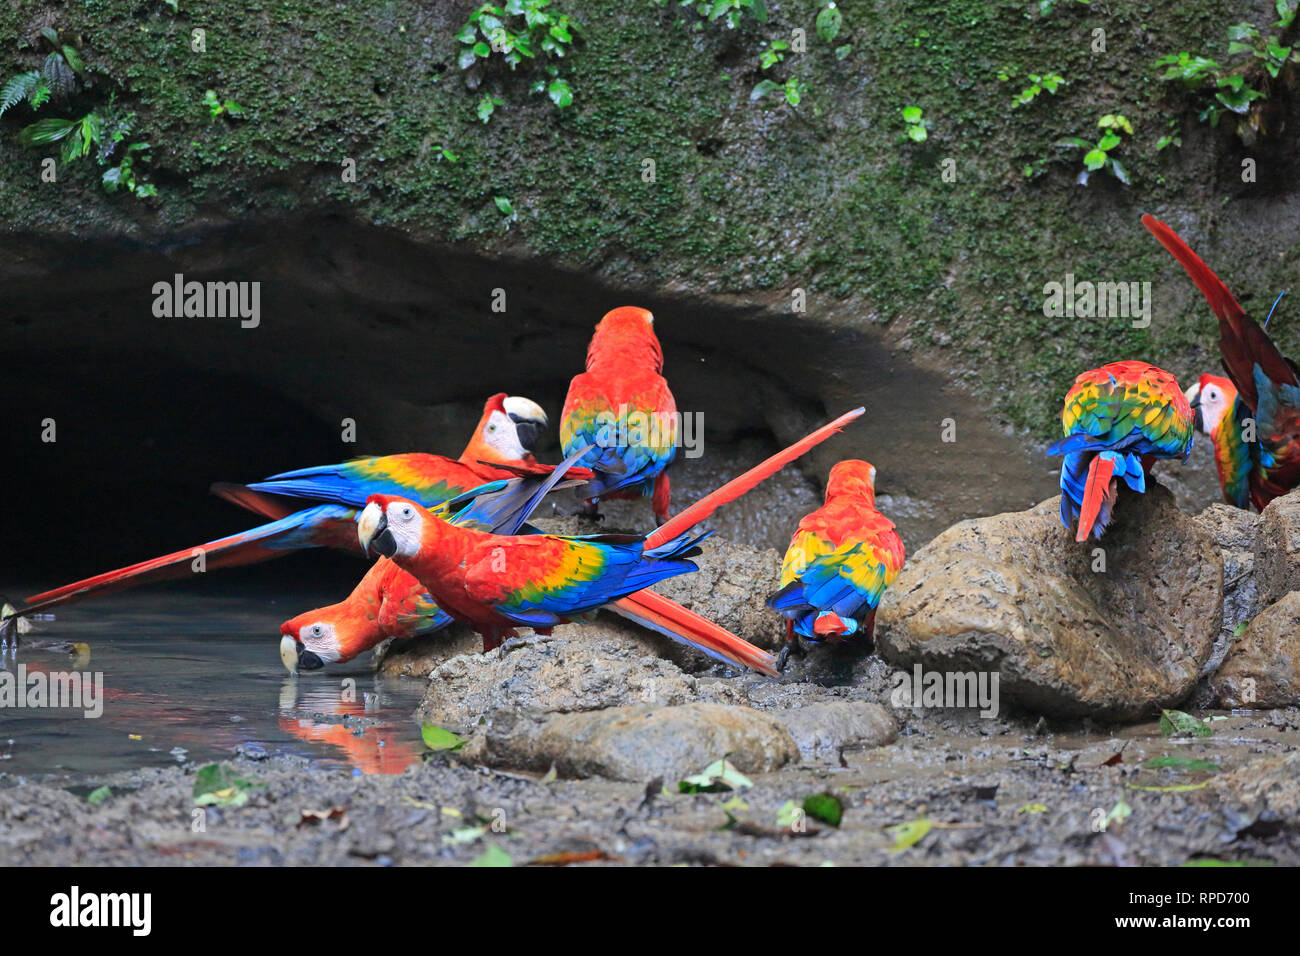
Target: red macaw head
{"x": 853, "y": 476}
{"x": 508, "y": 430}
{"x": 394, "y": 527}
{"x": 630, "y": 331}
{"x": 1211, "y": 398}
{"x": 327, "y": 635}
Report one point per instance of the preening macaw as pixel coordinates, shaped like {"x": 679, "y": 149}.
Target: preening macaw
{"x": 840, "y": 560}
{"x": 508, "y": 425}
{"x": 497, "y": 583}
{"x": 622, "y": 409}
{"x": 1117, "y": 419}
{"x": 1253, "y": 415}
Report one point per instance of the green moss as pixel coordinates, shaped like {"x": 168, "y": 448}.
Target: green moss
{"x": 746, "y": 196}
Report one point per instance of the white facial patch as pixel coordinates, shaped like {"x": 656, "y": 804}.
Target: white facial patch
{"x": 406, "y": 525}
{"x": 499, "y": 434}
{"x": 319, "y": 638}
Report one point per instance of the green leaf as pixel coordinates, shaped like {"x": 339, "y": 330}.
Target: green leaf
{"x": 825, "y": 807}
{"x": 717, "y": 777}
{"x": 18, "y": 88}
{"x": 842, "y": 52}
{"x": 99, "y": 795}
{"x": 1173, "y": 722}
{"x": 50, "y": 34}
{"x": 908, "y": 834}
{"x": 829, "y": 21}
{"x": 73, "y": 58}
{"x": 493, "y": 856}
{"x": 504, "y": 204}
{"x": 1176, "y": 788}
{"x": 47, "y": 131}
{"x": 788, "y": 815}
{"x": 912, "y": 114}
{"x": 467, "y": 58}
{"x": 1242, "y": 31}
{"x": 917, "y": 133}
{"x": 217, "y": 785}
{"x": 1285, "y": 13}
{"x": 560, "y": 93}
{"x": 1093, "y": 160}
{"x": 436, "y": 738}
{"x": 486, "y": 106}
{"x": 762, "y": 88}
{"x": 1108, "y": 142}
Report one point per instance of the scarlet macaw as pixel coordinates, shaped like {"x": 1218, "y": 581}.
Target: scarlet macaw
{"x": 391, "y": 603}
{"x": 1116, "y": 420}
{"x": 622, "y": 409}
{"x": 1261, "y": 388}
{"x": 840, "y": 560}
{"x": 496, "y": 583}
{"x": 507, "y": 426}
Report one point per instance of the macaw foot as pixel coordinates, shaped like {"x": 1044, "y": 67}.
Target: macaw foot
{"x": 795, "y": 646}
{"x": 515, "y": 643}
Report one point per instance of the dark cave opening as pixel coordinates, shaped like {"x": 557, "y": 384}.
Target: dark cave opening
{"x": 402, "y": 339}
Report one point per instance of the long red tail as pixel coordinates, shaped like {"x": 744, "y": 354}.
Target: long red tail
{"x": 668, "y": 617}
{"x": 733, "y": 489}
{"x": 1094, "y": 492}
{"x": 313, "y": 527}
{"x": 1242, "y": 342}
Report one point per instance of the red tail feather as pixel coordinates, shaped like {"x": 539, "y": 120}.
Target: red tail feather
{"x": 733, "y": 489}
{"x": 272, "y": 507}
{"x": 829, "y": 624}
{"x": 659, "y": 613}
{"x": 1094, "y": 492}
{"x": 1242, "y": 342}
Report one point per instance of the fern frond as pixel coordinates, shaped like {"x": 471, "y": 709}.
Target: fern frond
{"x": 39, "y": 94}
{"x": 18, "y": 88}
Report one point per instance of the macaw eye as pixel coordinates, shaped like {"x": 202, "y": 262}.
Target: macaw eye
{"x": 316, "y": 630}
{"x": 492, "y": 428}
{"x": 406, "y": 511}
{"x": 1212, "y": 394}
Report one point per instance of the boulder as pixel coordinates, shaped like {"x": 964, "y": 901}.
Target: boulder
{"x": 822, "y": 731}
{"x": 1277, "y": 549}
{"x": 1112, "y": 629}
{"x": 1263, "y": 668}
{"x": 641, "y": 742}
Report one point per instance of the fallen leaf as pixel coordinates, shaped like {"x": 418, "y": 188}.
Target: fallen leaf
{"x": 1177, "y": 722}
{"x": 908, "y": 834}
{"x": 98, "y": 795}
{"x": 564, "y": 859}
{"x": 825, "y": 807}
{"x": 437, "y": 738}
{"x": 493, "y": 856}
{"x": 717, "y": 777}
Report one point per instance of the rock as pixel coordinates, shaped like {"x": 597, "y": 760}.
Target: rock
{"x": 1234, "y": 532}
{"x": 641, "y": 742}
{"x": 1277, "y": 549}
{"x": 418, "y": 656}
{"x": 594, "y": 666}
{"x": 1269, "y": 787}
{"x": 822, "y": 731}
{"x": 1263, "y": 668}
{"x": 731, "y": 589}
{"x": 1015, "y": 593}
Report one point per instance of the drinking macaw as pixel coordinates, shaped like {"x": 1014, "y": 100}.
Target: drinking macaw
{"x": 497, "y": 450}
{"x": 497, "y": 583}
{"x": 840, "y": 560}
{"x": 622, "y": 409}
{"x": 1253, "y": 415}
{"x": 391, "y": 603}
{"x": 1117, "y": 419}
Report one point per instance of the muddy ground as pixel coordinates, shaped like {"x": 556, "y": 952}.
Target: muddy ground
{"x": 1007, "y": 791}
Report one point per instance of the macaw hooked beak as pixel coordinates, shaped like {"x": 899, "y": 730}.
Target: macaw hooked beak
{"x": 372, "y": 530}
{"x": 1194, "y": 400}
{"x": 529, "y": 418}
{"x": 295, "y": 657}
